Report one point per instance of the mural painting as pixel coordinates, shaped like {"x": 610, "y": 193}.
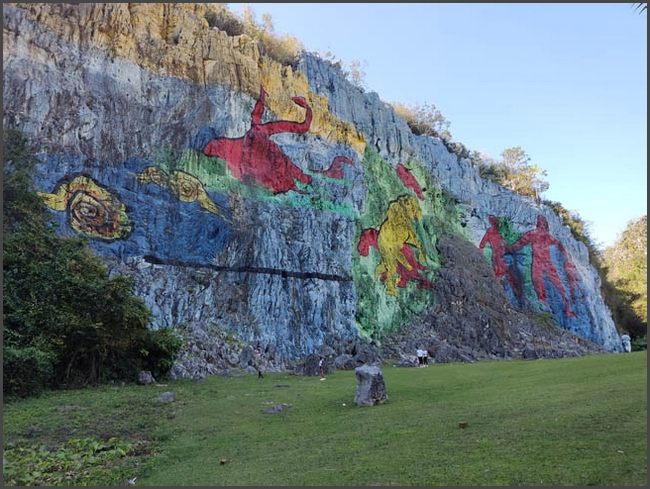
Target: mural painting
{"x": 185, "y": 187}
{"x": 536, "y": 271}
{"x": 149, "y": 218}
{"x": 409, "y": 180}
{"x": 395, "y": 241}
{"x": 255, "y": 158}
{"x": 92, "y": 210}
{"x": 540, "y": 241}
{"x": 395, "y": 258}
{"x": 497, "y": 245}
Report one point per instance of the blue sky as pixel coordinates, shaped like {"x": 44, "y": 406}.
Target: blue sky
{"x": 566, "y": 82}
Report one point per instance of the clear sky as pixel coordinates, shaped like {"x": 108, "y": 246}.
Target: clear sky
{"x": 566, "y": 82}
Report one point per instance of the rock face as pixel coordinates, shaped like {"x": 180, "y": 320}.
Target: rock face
{"x": 278, "y": 207}
{"x": 371, "y": 388}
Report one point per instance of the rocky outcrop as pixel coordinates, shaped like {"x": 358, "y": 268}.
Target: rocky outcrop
{"x": 473, "y": 319}
{"x": 280, "y": 206}
{"x": 371, "y": 388}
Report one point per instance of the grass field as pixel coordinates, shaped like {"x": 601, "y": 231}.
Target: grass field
{"x": 579, "y": 421}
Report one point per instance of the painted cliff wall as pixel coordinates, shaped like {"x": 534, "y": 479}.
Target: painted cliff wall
{"x": 281, "y": 204}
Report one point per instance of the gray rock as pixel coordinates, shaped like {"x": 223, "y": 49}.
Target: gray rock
{"x": 344, "y": 362}
{"x": 246, "y": 356}
{"x": 166, "y": 397}
{"x": 278, "y": 408}
{"x": 145, "y": 378}
{"x": 371, "y": 388}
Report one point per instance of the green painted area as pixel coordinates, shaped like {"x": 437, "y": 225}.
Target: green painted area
{"x": 215, "y": 176}
{"x": 377, "y": 312}
{"x": 563, "y": 422}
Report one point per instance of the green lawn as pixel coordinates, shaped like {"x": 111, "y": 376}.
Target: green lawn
{"x": 579, "y": 421}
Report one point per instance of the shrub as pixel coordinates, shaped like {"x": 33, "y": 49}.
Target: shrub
{"x": 26, "y": 370}
{"x": 424, "y": 119}
{"x": 640, "y": 344}
{"x": 160, "y": 349}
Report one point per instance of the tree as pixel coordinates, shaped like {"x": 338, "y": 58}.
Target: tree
{"x": 515, "y": 172}
{"x": 627, "y": 265}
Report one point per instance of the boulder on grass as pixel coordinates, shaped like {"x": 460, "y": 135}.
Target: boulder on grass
{"x": 371, "y": 388}
{"x": 145, "y": 378}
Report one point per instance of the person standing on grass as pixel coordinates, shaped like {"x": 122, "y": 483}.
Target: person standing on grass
{"x": 425, "y": 357}
{"x": 321, "y": 368}
{"x": 257, "y": 363}
{"x": 419, "y": 355}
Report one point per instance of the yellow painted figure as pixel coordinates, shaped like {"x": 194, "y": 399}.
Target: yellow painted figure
{"x": 396, "y": 231}
{"x": 93, "y": 210}
{"x": 186, "y": 187}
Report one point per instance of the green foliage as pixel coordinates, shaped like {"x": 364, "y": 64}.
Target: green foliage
{"x": 80, "y": 461}
{"x": 577, "y": 225}
{"x": 60, "y": 304}
{"x": 514, "y": 171}
{"x": 26, "y": 370}
{"x": 159, "y": 351}
{"x": 627, "y": 264}
{"x": 640, "y": 344}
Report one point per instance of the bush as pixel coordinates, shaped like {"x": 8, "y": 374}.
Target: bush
{"x": 26, "y": 370}
{"x": 640, "y": 344}
{"x": 159, "y": 351}
{"x": 424, "y": 119}
{"x": 283, "y": 49}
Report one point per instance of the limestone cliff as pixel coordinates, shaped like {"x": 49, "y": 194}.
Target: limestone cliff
{"x": 280, "y": 205}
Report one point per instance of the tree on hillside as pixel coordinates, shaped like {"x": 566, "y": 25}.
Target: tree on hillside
{"x": 515, "y": 172}
{"x": 66, "y": 322}
{"x": 627, "y": 265}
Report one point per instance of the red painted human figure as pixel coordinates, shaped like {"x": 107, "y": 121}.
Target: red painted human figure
{"x": 541, "y": 241}
{"x": 494, "y": 239}
{"x": 498, "y": 246}
{"x": 255, "y": 157}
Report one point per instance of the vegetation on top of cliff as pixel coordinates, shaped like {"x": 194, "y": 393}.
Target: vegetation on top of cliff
{"x": 513, "y": 171}
{"x": 66, "y": 321}
{"x": 284, "y": 49}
